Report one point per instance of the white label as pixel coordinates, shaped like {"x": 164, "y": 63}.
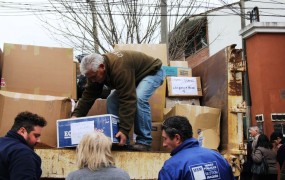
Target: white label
{"x": 184, "y": 85}
{"x": 78, "y": 130}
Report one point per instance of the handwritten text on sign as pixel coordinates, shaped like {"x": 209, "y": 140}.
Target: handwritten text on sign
{"x": 184, "y": 85}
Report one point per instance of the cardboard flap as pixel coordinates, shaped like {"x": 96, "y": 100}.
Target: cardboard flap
{"x": 32, "y": 96}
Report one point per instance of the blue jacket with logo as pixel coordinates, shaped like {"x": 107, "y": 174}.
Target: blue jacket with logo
{"x": 18, "y": 161}
{"x": 190, "y": 161}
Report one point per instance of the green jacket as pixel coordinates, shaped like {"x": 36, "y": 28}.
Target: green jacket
{"x": 124, "y": 71}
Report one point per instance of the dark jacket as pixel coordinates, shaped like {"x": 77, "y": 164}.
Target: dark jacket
{"x": 270, "y": 158}
{"x": 125, "y": 69}
{"x": 281, "y": 155}
{"x": 190, "y": 161}
{"x": 18, "y": 161}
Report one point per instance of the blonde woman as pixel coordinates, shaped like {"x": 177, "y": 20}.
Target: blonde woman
{"x": 95, "y": 161}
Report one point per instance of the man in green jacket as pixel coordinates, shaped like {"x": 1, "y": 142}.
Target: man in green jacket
{"x": 134, "y": 76}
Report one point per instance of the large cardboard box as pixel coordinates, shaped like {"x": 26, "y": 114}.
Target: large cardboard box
{"x": 184, "y": 86}
{"x": 38, "y": 70}
{"x": 154, "y": 50}
{"x": 70, "y": 131}
{"x": 205, "y": 122}
{"x": 51, "y": 108}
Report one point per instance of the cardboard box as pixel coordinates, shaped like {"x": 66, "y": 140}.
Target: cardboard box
{"x": 38, "y": 70}
{"x": 172, "y": 101}
{"x": 157, "y": 103}
{"x": 177, "y": 71}
{"x": 154, "y": 50}
{"x": 184, "y": 86}
{"x": 99, "y": 107}
{"x": 70, "y": 131}
{"x": 205, "y": 122}
{"x": 179, "y": 63}
{"x": 51, "y": 108}
{"x": 156, "y": 136}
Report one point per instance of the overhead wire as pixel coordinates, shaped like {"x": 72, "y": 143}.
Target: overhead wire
{"x": 8, "y": 8}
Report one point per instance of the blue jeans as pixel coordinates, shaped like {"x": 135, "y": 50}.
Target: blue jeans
{"x": 142, "y": 122}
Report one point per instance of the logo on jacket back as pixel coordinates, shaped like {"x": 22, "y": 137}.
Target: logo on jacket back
{"x": 209, "y": 170}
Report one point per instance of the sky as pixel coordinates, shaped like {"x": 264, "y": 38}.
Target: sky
{"x": 23, "y": 29}
{"x": 28, "y": 29}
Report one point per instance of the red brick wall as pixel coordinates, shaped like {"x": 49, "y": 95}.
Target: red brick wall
{"x": 197, "y": 58}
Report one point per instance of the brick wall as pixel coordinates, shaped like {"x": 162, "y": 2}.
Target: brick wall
{"x": 198, "y": 58}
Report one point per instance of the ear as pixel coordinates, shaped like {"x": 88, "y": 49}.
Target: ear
{"x": 177, "y": 138}
{"x": 102, "y": 66}
{"x": 22, "y": 131}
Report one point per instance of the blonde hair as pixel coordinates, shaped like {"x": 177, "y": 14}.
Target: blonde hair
{"x": 94, "y": 151}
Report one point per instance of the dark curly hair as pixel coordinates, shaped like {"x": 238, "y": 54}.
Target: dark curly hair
{"x": 177, "y": 125}
{"x": 28, "y": 120}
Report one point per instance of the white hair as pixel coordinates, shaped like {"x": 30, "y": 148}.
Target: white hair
{"x": 255, "y": 128}
{"x": 91, "y": 62}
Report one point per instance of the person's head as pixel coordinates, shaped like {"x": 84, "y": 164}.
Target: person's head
{"x": 92, "y": 66}
{"x": 263, "y": 141}
{"x": 94, "y": 151}
{"x": 175, "y": 130}
{"x": 276, "y": 137}
{"x": 254, "y": 131}
{"x": 29, "y": 125}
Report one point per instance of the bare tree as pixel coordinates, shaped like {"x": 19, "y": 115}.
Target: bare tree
{"x": 96, "y": 25}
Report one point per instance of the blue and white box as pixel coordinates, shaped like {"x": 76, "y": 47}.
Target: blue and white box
{"x": 70, "y": 131}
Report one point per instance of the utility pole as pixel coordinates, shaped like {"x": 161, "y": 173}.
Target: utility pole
{"x": 246, "y": 89}
{"x": 163, "y": 29}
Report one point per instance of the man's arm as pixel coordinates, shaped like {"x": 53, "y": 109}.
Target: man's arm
{"x": 90, "y": 94}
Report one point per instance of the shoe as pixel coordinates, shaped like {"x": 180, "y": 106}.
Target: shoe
{"x": 116, "y": 147}
{"x": 139, "y": 147}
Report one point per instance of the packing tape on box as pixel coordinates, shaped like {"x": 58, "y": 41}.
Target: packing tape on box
{"x": 36, "y": 50}
{"x": 50, "y": 98}
{"x": 17, "y": 96}
{"x": 8, "y": 48}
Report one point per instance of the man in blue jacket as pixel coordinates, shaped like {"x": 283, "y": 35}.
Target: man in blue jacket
{"x": 17, "y": 157}
{"x": 189, "y": 160}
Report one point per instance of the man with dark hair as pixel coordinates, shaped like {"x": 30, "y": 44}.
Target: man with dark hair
{"x": 189, "y": 160}
{"x": 17, "y": 157}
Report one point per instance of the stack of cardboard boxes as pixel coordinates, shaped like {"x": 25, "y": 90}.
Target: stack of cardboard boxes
{"x": 36, "y": 79}
{"x": 43, "y": 80}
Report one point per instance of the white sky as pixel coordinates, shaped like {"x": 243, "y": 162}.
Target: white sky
{"x": 28, "y": 30}
{"x": 24, "y": 30}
